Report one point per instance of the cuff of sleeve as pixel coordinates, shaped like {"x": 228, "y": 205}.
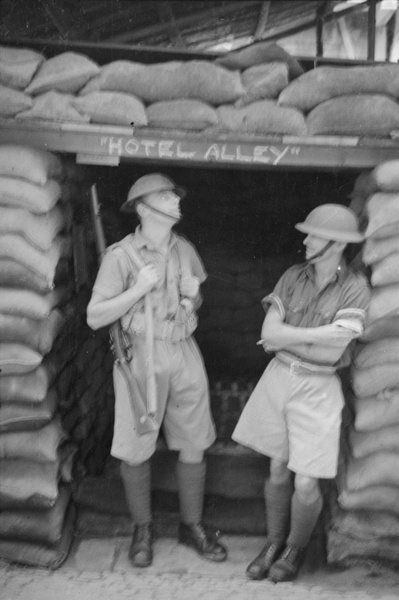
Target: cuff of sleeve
{"x": 274, "y": 300}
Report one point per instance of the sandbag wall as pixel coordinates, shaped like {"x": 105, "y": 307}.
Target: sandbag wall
{"x": 366, "y": 522}
{"x": 45, "y": 350}
{"x": 257, "y": 89}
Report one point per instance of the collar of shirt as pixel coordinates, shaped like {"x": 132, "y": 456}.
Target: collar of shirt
{"x": 142, "y": 241}
{"x": 338, "y": 277}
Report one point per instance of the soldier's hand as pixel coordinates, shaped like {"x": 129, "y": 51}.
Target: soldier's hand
{"x": 147, "y": 278}
{"x": 189, "y": 286}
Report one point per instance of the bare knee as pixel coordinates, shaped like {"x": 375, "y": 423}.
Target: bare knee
{"x": 279, "y": 473}
{"x": 307, "y": 489}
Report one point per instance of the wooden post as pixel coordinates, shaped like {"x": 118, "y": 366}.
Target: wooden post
{"x": 371, "y": 30}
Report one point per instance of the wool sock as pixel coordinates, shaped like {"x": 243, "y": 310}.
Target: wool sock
{"x": 137, "y": 484}
{"x": 303, "y": 520}
{"x": 278, "y": 507}
{"x": 191, "y": 486}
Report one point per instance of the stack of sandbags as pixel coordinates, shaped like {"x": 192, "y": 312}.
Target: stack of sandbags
{"x": 266, "y": 69}
{"x": 35, "y": 248}
{"x": 347, "y": 100}
{"x": 370, "y": 483}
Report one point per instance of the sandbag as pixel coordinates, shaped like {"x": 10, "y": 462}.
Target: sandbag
{"x": 381, "y": 328}
{"x": 386, "y": 176}
{"x": 41, "y": 555}
{"x": 386, "y": 272}
{"x": 112, "y": 108}
{"x": 29, "y": 304}
{"x": 374, "y": 412}
{"x": 40, "y": 445}
{"x": 17, "y": 358}
{"x": 346, "y": 550}
{"x": 384, "y": 302}
{"x": 18, "y": 66}
{"x": 28, "y": 484}
{"x": 364, "y": 185}
{"x": 28, "y": 417}
{"x": 258, "y": 53}
{"x": 67, "y": 72}
{"x": 364, "y": 443}
{"x": 365, "y": 525}
{"x": 40, "y": 230}
{"x": 37, "y": 334}
{"x": 25, "y": 162}
{"x": 53, "y": 106}
{"x": 264, "y": 116}
{"x": 392, "y": 229}
{"x": 324, "y": 83}
{"x": 38, "y": 199}
{"x": 13, "y": 102}
{"x": 360, "y": 115}
{"x": 43, "y": 263}
{"x": 181, "y": 114}
{"x": 375, "y": 498}
{"x": 39, "y": 526}
{"x": 375, "y": 250}
{"x": 374, "y": 379}
{"x": 30, "y": 388}
{"x": 16, "y": 275}
{"x": 373, "y": 470}
{"x": 379, "y": 352}
{"x": 263, "y": 81}
{"x": 197, "y": 79}
{"x": 382, "y": 209}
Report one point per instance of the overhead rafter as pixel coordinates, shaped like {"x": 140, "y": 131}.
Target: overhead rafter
{"x": 262, "y": 22}
{"x": 193, "y": 19}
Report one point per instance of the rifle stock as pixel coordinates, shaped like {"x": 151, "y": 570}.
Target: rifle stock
{"x": 144, "y": 422}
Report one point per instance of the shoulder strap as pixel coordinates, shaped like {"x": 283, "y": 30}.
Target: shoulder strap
{"x": 183, "y": 259}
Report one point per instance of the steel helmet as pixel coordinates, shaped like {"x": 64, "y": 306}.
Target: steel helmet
{"x": 332, "y": 222}
{"x": 148, "y": 184}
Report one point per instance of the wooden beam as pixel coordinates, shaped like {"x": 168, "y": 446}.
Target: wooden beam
{"x": 262, "y": 21}
{"x": 192, "y": 19}
{"x": 371, "y": 29}
{"x": 390, "y": 33}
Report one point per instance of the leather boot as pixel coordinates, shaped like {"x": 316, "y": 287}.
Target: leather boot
{"x": 287, "y": 566}
{"x": 206, "y": 546}
{"x": 259, "y": 567}
{"x": 140, "y": 551}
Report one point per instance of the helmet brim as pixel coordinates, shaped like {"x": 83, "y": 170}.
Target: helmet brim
{"x": 130, "y": 205}
{"x": 348, "y": 237}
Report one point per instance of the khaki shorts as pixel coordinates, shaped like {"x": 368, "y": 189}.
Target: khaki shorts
{"x": 295, "y": 417}
{"x": 183, "y": 401}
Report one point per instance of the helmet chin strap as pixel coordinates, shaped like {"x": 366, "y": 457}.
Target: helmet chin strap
{"x": 322, "y": 251}
{"x": 160, "y": 212}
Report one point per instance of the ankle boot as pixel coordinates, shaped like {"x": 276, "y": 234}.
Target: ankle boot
{"x": 259, "y": 567}
{"x": 287, "y": 566}
{"x": 140, "y": 551}
{"x": 206, "y": 546}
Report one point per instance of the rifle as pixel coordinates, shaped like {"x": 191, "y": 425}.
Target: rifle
{"x": 118, "y": 341}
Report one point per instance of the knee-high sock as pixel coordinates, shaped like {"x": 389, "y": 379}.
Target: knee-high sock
{"x": 137, "y": 484}
{"x": 278, "y": 508}
{"x": 303, "y": 520}
{"x": 191, "y": 487}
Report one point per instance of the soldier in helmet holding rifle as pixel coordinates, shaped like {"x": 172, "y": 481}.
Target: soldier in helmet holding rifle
{"x": 294, "y": 413}
{"x": 151, "y": 281}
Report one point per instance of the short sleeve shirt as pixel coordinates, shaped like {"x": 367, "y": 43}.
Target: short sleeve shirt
{"x": 118, "y": 272}
{"x": 301, "y": 304}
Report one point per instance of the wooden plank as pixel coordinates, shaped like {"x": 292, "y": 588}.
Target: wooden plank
{"x": 106, "y": 143}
